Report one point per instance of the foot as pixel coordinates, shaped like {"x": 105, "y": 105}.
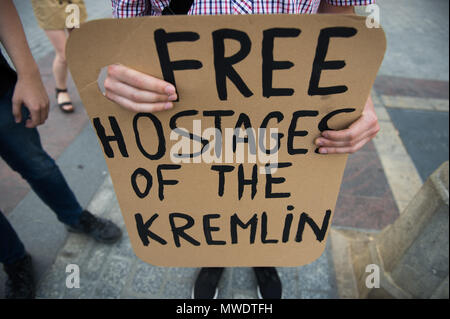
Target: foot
{"x": 205, "y": 286}
{"x": 20, "y": 282}
{"x": 100, "y": 229}
{"x": 269, "y": 284}
{"x": 63, "y": 101}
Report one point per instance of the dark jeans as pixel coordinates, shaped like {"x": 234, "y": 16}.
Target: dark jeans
{"x": 21, "y": 149}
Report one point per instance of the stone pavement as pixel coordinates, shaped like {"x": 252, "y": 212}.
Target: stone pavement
{"x": 411, "y": 100}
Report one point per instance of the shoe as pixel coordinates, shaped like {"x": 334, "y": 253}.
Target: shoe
{"x": 20, "y": 282}
{"x": 205, "y": 286}
{"x": 269, "y": 284}
{"x": 62, "y": 106}
{"x": 100, "y": 229}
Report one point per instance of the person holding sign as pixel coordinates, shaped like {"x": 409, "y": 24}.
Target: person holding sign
{"x": 141, "y": 92}
{"x": 24, "y": 106}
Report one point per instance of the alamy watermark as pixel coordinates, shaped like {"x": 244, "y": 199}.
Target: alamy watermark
{"x": 373, "y": 19}
{"x": 373, "y": 278}
{"x": 73, "y": 16}
{"x": 213, "y": 145}
{"x": 73, "y": 277}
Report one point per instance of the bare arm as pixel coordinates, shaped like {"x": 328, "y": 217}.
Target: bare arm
{"x": 29, "y": 89}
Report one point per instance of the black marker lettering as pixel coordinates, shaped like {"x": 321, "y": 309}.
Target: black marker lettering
{"x": 275, "y": 180}
{"x": 218, "y": 114}
{"x": 224, "y": 65}
{"x": 148, "y": 182}
{"x": 180, "y": 231}
{"x": 242, "y": 181}
{"x": 235, "y": 221}
{"x": 319, "y": 232}
{"x": 268, "y": 64}
{"x": 208, "y": 229}
{"x": 193, "y": 137}
{"x": 144, "y": 230}
{"x": 320, "y": 64}
{"x": 279, "y": 116}
{"x": 222, "y": 169}
{"x": 264, "y": 239}
{"x": 162, "y": 181}
{"x": 159, "y": 130}
{"x": 162, "y": 38}
{"x": 292, "y": 131}
{"x": 106, "y": 140}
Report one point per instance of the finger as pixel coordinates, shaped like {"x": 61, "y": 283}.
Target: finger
{"x": 348, "y": 134}
{"x": 46, "y": 111}
{"x": 34, "y": 119}
{"x": 366, "y": 123}
{"x": 40, "y": 116}
{"x": 17, "y": 110}
{"x": 136, "y": 95}
{"x": 344, "y": 150}
{"x": 342, "y": 143}
{"x": 140, "y": 80}
{"x": 139, "y": 107}
{"x": 43, "y": 113}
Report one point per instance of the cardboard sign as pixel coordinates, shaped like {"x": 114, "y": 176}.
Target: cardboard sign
{"x": 193, "y": 189}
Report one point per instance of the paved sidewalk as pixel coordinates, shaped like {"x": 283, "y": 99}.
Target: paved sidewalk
{"x": 411, "y": 100}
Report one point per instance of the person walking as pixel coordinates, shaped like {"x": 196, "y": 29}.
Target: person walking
{"x": 23, "y": 106}
{"x": 52, "y": 16}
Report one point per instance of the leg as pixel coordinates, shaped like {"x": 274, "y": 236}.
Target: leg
{"x": 21, "y": 149}
{"x": 205, "y": 286}
{"x": 16, "y": 263}
{"x": 58, "y": 39}
{"x": 269, "y": 283}
{"x": 11, "y": 248}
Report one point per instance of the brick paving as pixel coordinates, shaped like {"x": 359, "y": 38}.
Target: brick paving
{"x": 369, "y": 199}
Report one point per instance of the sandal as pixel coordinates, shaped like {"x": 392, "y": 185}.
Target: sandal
{"x": 61, "y": 105}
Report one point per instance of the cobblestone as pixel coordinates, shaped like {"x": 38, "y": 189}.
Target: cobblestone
{"x": 148, "y": 279}
{"x": 113, "y": 278}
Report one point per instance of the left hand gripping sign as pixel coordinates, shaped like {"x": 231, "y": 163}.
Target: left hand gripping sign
{"x": 230, "y": 176}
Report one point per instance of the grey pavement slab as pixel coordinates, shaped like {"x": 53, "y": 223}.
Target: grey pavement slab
{"x": 417, "y": 38}
{"x": 425, "y": 136}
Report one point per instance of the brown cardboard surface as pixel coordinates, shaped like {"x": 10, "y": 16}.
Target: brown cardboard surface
{"x": 312, "y": 180}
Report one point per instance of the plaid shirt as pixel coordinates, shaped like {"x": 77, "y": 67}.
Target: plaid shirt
{"x": 134, "y": 8}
